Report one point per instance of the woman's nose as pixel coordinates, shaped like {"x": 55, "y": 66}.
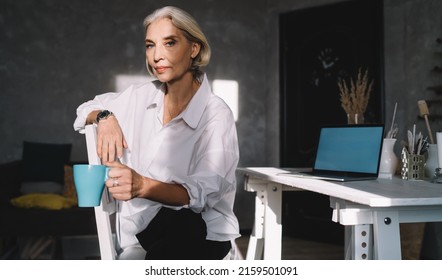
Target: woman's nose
{"x": 157, "y": 54}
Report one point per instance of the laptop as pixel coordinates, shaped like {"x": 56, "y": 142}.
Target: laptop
{"x": 346, "y": 153}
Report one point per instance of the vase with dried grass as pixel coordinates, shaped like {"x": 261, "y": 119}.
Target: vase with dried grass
{"x": 355, "y": 96}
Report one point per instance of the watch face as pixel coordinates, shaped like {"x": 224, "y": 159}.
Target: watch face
{"x": 103, "y": 115}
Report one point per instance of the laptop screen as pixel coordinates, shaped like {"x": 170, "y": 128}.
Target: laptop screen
{"x": 352, "y": 148}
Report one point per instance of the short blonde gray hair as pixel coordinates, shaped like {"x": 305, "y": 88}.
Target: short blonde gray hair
{"x": 191, "y": 30}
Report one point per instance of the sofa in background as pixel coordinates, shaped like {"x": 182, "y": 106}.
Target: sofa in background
{"x": 18, "y": 178}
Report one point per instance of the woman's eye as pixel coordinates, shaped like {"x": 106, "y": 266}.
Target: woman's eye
{"x": 170, "y": 43}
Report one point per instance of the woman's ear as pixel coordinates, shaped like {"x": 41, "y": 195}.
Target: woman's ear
{"x": 196, "y": 47}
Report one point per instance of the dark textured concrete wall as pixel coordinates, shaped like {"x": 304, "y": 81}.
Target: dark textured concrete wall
{"x": 411, "y": 52}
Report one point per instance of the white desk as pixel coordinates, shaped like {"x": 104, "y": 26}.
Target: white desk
{"x": 370, "y": 210}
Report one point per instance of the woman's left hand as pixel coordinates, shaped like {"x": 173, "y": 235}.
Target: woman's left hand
{"x": 123, "y": 182}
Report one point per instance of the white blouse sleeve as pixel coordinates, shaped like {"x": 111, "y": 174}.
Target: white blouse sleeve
{"x": 212, "y": 171}
{"x": 100, "y": 102}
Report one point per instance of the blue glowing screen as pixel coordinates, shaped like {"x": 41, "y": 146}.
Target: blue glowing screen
{"x": 351, "y": 149}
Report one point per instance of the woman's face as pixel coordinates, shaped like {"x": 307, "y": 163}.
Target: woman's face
{"x": 168, "y": 52}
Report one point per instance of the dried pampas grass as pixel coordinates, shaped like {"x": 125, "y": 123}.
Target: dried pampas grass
{"x": 354, "y": 99}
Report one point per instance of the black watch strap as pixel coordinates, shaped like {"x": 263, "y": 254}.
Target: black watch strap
{"x": 102, "y": 115}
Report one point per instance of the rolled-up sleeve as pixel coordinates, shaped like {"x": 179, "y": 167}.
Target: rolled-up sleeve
{"x": 211, "y": 173}
{"x": 83, "y": 111}
{"x": 206, "y": 189}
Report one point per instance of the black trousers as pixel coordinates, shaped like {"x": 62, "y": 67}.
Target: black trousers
{"x": 180, "y": 235}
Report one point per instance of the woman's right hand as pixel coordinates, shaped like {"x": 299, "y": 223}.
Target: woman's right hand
{"x": 110, "y": 140}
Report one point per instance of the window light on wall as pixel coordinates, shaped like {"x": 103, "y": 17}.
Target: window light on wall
{"x": 228, "y": 91}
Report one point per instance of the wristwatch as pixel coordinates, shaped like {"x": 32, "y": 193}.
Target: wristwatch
{"x": 104, "y": 114}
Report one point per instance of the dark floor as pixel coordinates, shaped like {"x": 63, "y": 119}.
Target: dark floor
{"x": 412, "y": 245}
{"x": 300, "y": 249}
{"x": 293, "y": 248}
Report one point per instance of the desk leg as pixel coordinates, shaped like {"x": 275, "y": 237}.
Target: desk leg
{"x": 267, "y": 230}
{"x": 256, "y": 241}
{"x": 358, "y": 242}
{"x": 349, "y": 242}
{"x": 387, "y": 243}
{"x": 272, "y": 225}
{"x": 255, "y": 247}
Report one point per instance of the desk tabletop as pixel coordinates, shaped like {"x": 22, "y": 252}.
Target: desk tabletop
{"x": 374, "y": 193}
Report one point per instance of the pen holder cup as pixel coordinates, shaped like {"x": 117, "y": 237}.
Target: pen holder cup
{"x": 413, "y": 166}
{"x": 437, "y": 176}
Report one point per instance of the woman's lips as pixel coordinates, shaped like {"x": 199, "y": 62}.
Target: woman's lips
{"x": 161, "y": 69}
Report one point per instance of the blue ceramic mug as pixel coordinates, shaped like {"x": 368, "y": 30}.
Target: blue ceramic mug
{"x": 89, "y": 183}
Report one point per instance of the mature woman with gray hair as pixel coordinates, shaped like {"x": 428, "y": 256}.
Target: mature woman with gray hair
{"x": 172, "y": 148}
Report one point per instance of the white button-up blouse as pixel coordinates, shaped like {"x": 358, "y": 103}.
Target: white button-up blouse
{"x": 197, "y": 149}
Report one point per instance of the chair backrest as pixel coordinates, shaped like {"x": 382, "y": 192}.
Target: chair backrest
{"x": 105, "y": 213}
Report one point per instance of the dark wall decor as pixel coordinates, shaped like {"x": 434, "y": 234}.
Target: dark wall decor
{"x": 319, "y": 47}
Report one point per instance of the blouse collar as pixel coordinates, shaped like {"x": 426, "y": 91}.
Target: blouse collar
{"x": 195, "y": 109}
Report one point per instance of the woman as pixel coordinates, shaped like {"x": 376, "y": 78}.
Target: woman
{"x": 176, "y": 146}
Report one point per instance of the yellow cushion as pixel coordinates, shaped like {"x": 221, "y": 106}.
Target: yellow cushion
{"x": 44, "y": 200}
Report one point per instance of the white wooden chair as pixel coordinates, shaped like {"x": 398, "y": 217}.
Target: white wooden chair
{"x": 105, "y": 214}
